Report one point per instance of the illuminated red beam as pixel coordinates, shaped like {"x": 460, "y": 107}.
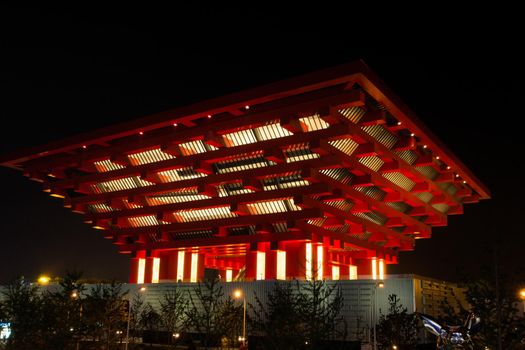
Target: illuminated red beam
{"x": 226, "y": 222}
{"x": 382, "y": 207}
{"x": 210, "y": 157}
{"x": 220, "y": 241}
{"x": 347, "y": 216}
{"x": 381, "y": 181}
{"x": 247, "y": 121}
{"x": 273, "y": 170}
{"x": 315, "y": 188}
{"x": 385, "y": 152}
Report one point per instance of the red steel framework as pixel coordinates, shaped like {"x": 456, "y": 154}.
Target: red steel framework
{"x": 328, "y": 175}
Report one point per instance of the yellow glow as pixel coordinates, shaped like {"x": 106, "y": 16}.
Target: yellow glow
{"x": 180, "y": 266}
{"x": 335, "y": 273}
{"x": 381, "y": 269}
{"x": 261, "y": 265}
{"x": 522, "y": 294}
{"x": 74, "y": 295}
{"x": 194, "y": 266}
{"x": 141, "y": 271}
{"x": 320, "y": 260}
{"x": 381, "y": 284}
{"x": 281, "y": 265}
{"x": 229, "y": 275}
{"x": 98, "y": 227}
{"x": 56, "y": 195}
{"x": 155, "y": 270}
{"x": 374, "y": 268}
{"x": 308, "y": 261}
{"x": 142, "y": 289}
{"x": 44, "y": 280}
{"x": 237, "y": 294}
{"x": 352, "y": 272}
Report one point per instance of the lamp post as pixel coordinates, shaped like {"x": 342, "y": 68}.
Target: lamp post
{"x": 75, "y": 295}
{"x": 379, "y": 284}
{"x": 142, "y": 290}
{"x": 238, "y": 294}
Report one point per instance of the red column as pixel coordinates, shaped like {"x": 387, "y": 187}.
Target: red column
{"x": 271, "y": 265}
{"x": 149, "y": 270}
{"x": 134, "y": 266}
{"x": 251, "y": 265}
{"x": 364, "y": 267}
{"x": 187, "y": 266}
{"x": 295, "y": 259}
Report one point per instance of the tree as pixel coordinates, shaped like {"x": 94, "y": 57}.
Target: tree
{"x": 300, "y": 313}
{"x": 173, "y": 307}
{"x": 398, "y": 327}
{"x": 137, "y": 306}
{"x": 149, "y": 321}
{"x": 209, "y": 314}
{"x": 321, "y": 306}
{"x": 481, "y": 295}
{"x": 61, "y": 312}
{"x": 280, "y": 320}
{"x": 106, "y": 312}
{"x": 23, "y": 309}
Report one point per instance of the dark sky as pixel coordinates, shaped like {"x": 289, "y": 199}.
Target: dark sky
{"x": 68, "y": 70}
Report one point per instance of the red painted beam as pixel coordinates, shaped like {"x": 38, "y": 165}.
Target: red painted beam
{"x": 317, "y": 188}
{"x": 381, "y": 181}
{"x": 306, "y": 104}
{"x": 201, "y": 158}
{"x": 273, "y": 170}
{"x": 226, "y": 222}
{"x": 220, "y": 241}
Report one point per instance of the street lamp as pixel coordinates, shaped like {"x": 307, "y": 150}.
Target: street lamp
{"x": 379, "y": 284}
{"x": 237, "y": 294}
{"x": 522, "y": 297}
{"x": 142, "y": 290}
{"x": 75, "y": 295}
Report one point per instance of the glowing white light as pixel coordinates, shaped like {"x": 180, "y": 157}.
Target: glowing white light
{"x": 180, "y": 266}
{"x": 261, "y": 265}
{"x": 281, "y": 265}
{"x": 381, "y": 269}
{"x": 352, "y": 272}
{"x": 308, "y": 261}
{"x": 320, "y": 262}
{"x": 229, "y": 275}
{"x": 155, "y": 271}
{"x": 141, "y": 271}
{"x": 194, "y": 266}
{"x": 374, "y": 268}
{"x": 335, "y": 273}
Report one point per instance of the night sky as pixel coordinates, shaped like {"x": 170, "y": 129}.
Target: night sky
{"x": 64, "y": 71}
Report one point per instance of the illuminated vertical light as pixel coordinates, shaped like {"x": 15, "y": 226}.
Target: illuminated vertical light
{"x": 374, "y": 268}
{"x": 320, "y": 262}
{"x": 180, "y": 266}
{"x": 155, "y": 270}
{"x": 194, "y": 266}
{"x": 381, "y": 269}
{"x": 261, "y": 265}
{"x": 281, "y": 265}
{"x": 229, "y": 275}
{"x": 308, "y": 261}
{"x": 335, "y": 273}
{"x": 141, "y": 271}
{"x": 352, "y": 272}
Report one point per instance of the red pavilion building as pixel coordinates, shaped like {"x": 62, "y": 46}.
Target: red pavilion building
{"x": 328, "y": 175}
